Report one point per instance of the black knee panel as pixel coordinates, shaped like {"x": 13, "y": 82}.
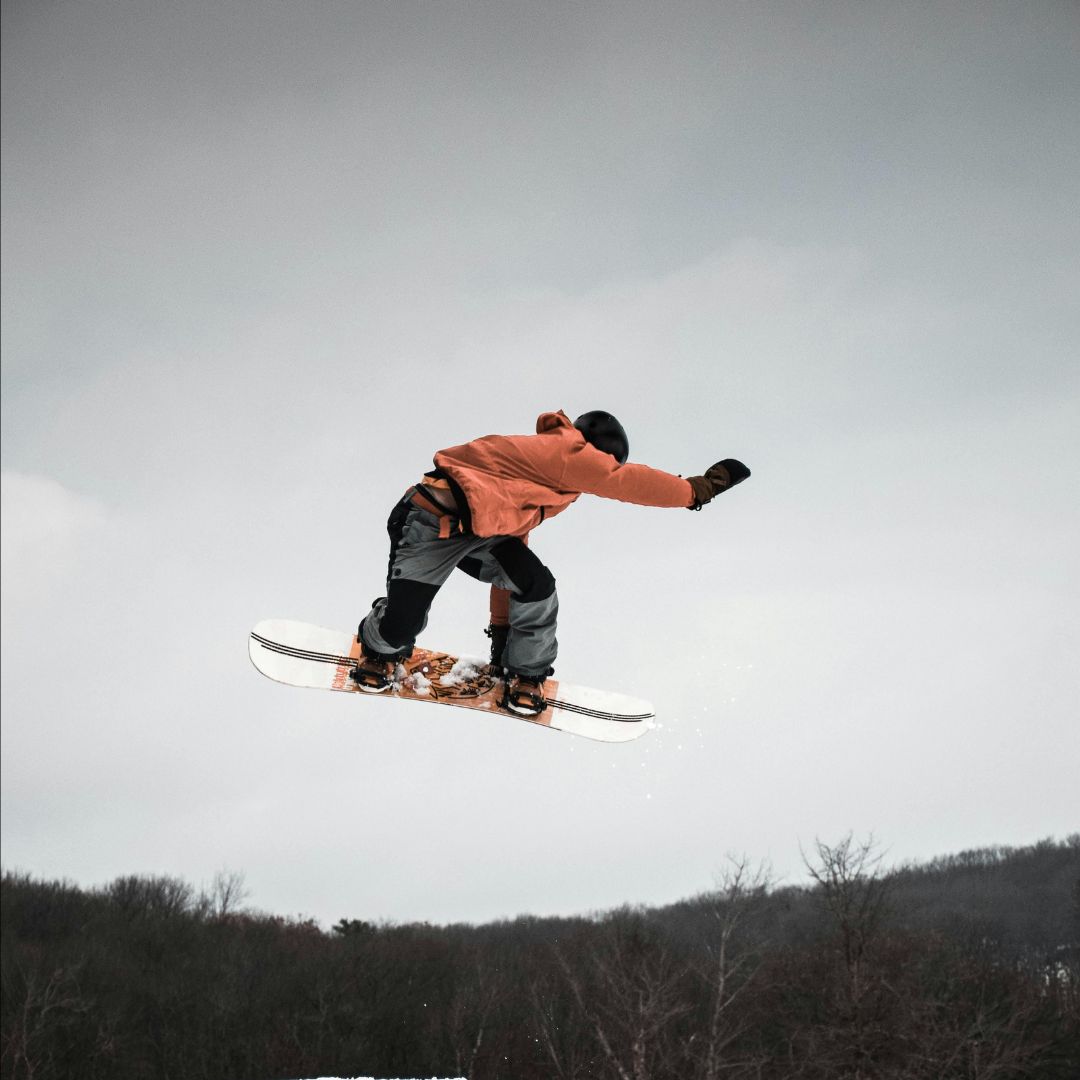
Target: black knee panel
{"x": 532, "y": 579}
{"x": 472, "y": 567}
{"x": 407, "y": 604}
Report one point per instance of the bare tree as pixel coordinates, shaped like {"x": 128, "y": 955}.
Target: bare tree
{"x": 227, "y": 893}
{"x": 856, "y": 895}
{"x": 153, "y": 897}
{"x": 727, "y": 970}
{"x": 635, "y": 997}
{"x": 475, "y": 999}
{"x": 559, "y": 1035}
{"x": 860, "y": 1034}
{"x": 48, "y": 1004}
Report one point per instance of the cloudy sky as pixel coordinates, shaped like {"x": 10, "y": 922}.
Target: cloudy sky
{"x": 261, "y": 260}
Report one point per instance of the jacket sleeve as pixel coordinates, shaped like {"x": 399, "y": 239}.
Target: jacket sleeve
{"x": 593, "y": 472}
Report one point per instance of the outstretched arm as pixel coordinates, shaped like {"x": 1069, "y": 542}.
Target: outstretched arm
{"x": 593, "y": 472}
{"x": 596, "y": 473}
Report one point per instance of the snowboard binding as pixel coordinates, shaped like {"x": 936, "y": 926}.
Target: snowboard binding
{"x": 524, "y": 694}
{"x": 372, "y": 676}
{"x": 374, "y": 672}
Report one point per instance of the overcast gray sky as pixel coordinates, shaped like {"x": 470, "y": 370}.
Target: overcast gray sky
{"x": 261, "y": 260}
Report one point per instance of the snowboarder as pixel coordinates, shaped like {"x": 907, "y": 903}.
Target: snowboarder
{"x": 474, "y": 512}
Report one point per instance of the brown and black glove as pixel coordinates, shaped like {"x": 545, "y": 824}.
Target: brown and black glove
{"x": 718, "y": 478}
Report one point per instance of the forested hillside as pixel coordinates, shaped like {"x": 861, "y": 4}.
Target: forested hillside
{"x": 967, "y": 966}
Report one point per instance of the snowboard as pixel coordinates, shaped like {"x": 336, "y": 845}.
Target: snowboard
{"x": 299, "y": 654}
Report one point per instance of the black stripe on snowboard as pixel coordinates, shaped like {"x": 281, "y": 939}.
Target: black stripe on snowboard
{"x": 302, "y": 654}
{"x": 584, "y": 710}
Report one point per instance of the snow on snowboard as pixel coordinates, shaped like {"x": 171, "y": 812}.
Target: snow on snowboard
{"x": 299, "y": 654}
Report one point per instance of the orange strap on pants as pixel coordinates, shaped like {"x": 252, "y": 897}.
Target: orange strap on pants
{"x": 446, "y": 520}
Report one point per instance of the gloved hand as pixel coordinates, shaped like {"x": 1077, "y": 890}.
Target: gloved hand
{"x": 718, "y": 478}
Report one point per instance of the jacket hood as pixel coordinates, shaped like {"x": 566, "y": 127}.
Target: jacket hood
{"x": 552, "y": 421}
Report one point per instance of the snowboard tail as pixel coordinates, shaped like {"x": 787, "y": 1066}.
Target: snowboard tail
{"x": 300, "y": 654}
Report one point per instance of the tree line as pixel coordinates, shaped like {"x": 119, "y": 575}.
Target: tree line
{"x": 967, "y": 966}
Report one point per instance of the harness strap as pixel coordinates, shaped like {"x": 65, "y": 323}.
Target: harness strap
{"x": 447, "y": 522}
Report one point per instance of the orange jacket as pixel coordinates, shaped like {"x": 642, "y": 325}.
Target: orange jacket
{"x": 513, "y": 482}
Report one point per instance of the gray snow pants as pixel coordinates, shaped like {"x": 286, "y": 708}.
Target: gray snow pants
{"x": 421, "y": 561}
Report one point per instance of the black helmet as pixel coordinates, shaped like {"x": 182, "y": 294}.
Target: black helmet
{"x": 605, "y": 433}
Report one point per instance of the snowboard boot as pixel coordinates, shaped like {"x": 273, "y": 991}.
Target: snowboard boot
{"x": 498, "y": 635}
{"x": 374, "y": 672}
{"x": 524, "y": 694}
